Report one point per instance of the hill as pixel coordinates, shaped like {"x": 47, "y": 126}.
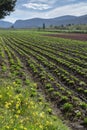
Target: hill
{"x": 5, "y": 24}
{"x": 38, "y": 22}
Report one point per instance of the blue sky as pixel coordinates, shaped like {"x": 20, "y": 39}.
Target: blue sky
{"x": 26, "y": 9}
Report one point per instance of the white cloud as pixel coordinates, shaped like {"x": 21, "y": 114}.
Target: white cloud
{"x": 37, "y": 6}
{"x": 43, "y": 1}
{"x": 74, "y": 9}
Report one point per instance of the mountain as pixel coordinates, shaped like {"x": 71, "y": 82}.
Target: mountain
{"x": 82, "y": 19}
{"x": 4, "y": 24}
{"x": 38, "y": 22}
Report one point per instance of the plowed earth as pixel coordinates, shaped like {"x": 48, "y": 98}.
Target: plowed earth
{"x": 73, "y": 36}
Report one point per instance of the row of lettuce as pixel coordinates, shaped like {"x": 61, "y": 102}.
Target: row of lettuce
{"x": 21, "y": 106}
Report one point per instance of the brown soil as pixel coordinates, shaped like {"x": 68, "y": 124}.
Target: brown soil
{"x": 74, "y": 36}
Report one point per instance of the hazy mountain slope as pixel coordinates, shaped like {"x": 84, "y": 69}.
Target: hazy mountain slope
{"x": 5, "y": 24}
{"x": 38, "y": 22}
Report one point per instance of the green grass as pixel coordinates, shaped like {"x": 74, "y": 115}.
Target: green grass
{"x": 22, "y": 108}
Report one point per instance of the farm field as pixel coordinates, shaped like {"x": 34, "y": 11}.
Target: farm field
{"x": 58, "y": 69}
{"x": 22, "y": 107}
{"x": 74, "y": 36}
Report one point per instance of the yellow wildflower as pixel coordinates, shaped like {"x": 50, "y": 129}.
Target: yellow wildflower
{"x": 7, "y": 127}
{"x": 22, "y": 127}
{"x": 16, "y": 116}
{"x": 40, "y": 126}
{"x": 0, "y": 96}
{"x": 42, "y": 115}
{"x": 7, "y": 105}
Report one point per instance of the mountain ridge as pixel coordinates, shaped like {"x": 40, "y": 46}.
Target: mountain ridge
{"x": 38, "y": 22}
{"x": 5, "y": 24}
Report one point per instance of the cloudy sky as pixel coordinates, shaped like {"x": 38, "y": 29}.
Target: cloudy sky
{"x": 26, "y": 9}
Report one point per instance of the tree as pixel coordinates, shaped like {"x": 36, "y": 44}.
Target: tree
{"x": 6, "y": 6}
{"x": 12, "y": 26}
{"x": 43, "y": 25}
